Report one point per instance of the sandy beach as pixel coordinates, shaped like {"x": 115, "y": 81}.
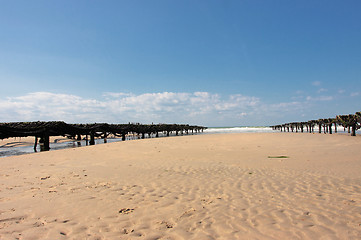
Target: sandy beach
{"x": 220, "y": 186}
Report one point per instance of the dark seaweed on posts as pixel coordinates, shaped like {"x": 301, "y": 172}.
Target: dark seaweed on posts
{"x": 351, "y": 122}
{"x": 43, "y": 130}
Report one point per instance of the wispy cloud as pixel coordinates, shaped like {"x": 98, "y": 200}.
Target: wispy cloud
{"x": 316, "y": 83}
{"x": 320, "y": 98}
{"x": 354, "y": 94}
{"x": 322, "y": 90}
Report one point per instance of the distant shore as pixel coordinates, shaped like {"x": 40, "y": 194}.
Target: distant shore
{"x": 210, "y": 186}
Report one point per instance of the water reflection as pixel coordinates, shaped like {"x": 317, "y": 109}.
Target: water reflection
{"x": 12, "y": 149}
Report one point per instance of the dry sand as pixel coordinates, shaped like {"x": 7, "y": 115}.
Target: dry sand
{"x": 189, "y": 187}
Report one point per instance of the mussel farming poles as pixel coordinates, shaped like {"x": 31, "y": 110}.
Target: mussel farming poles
{"x": 43, "y": 130}
{"x": 352, "y": 122}
{"x": 349, "y": 121}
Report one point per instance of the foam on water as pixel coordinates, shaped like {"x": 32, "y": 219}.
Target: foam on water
{"x": 239, "y": 130}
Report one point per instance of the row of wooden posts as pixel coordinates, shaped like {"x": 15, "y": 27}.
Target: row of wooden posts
{"x": 43, "y": 130}
{"x": 351, "y": 122}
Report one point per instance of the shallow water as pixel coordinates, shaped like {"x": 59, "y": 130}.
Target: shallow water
{"x": 6, "y": 151}
{"x": 13, "y": 150}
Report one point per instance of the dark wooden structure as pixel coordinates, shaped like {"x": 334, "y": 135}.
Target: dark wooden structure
{"x": 352, "y": 122}
{"x": 43, "y": 130}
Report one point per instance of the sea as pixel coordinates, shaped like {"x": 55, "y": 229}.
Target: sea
{"x": 245, "y": 129}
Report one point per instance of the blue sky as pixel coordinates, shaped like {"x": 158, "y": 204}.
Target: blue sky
{"x": 212, "y": 63}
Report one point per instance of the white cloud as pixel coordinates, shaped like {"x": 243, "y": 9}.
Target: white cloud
{"x": 115, "y": 95}
{"x": 354, "y": 94}
{"x": 202, "y": 108}
{"x": 322, "y": 90}
{"x": 316, "y": 83}
{"x": 124, "y": 107}
{"x": 320, "y": 98}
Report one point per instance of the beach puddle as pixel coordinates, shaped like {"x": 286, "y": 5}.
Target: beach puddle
{"x": 11, "y": 150}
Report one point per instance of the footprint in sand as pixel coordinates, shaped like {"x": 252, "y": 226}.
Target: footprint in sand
{"x": 126, "y": 210}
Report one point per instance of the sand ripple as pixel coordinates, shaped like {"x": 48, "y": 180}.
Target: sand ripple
{"x": 178, "y": 199}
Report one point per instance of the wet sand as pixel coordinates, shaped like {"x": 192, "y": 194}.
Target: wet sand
{"x": 223, "y": 186}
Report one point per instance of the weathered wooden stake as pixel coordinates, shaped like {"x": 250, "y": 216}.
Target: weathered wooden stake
{"x": 105, "y": 137}
{"x": 92, "y": 138}
{"x": 44, "y": 143}
{"x": 36, "y": 143}
{"x": 353, "y": 130}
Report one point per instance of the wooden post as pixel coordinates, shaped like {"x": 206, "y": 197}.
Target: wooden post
{"x": 105, "y": 137}
{"x": 36, "y": 143}
{"x": 44, "y": 143}
{"x": 92, "y": 138}
{"x": 78, "y": 140}
{"x": 353, "y": 130}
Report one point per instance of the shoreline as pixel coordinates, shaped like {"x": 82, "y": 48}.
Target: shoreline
{"x": 24, "y": 145}
{"x": 210, "y": 186}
